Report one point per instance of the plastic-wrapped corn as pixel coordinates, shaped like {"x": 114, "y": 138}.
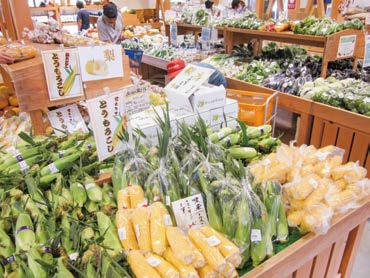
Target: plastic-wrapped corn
{"x": 186, "y": 271}
{"x": 230, "y": 271}
{"x": 317, "y": 218}
{"x": 179, "y": 244}
{"x": 318, "y": 194}
{"x": 140, "y": 221}
{"x": 140, "y": 266}
{"x": 123, "y": 199}
{"x": 295, "y": 218}
{"x": 300, "y": 189}
{"x": 350, "y": 172}
{"x": 137, "y": 198}
{"x": 341, "y": 199}
{"x": 158, "y": 230}
{"x": 207, "y": 272}
{"x": 164, "y": 268}
{"x": 126, "y": 232}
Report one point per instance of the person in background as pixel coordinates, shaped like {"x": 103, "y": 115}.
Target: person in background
{"x": 83, "y": 15}
{"x": 110, "y": 24}
{"x": 238, "y": 6}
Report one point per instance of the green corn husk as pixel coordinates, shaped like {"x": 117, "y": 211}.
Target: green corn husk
{"x": 109, "y": 232}
{"x": 255, "y": 132}
{"x": 215, "y": 137}
{"x": 282, "y": 225}
{"x": 67, "y": 243}
{"x": 79, "y": 194}
{"x": 90, "y": 271}
{"x": 36, "y": 269}
{"x": 91, "y": 206}
{"x": 118, "y": 178}
{"x": 65, "y": 199}
{"x": 230, "y": 140}
{"x": 94, "y": 192}
{"x": 229, "y": 218}
{"x": 268, "y": 144}
{"x": 87, "y": 234}
{"x": 31, "y": 207}
{"x": 42, "y": 239}
{"x": 6, "y": 245}
{"x": 35, "y": 193}
{"x": 62, "y": 271}
{"x": 243, "y": 230}
{"x": 243, "y": 153}
{"x": 24, "y": 239}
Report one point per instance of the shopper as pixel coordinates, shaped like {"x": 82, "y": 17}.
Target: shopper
{"x": 110, "y": 24}
{"x": 238, "y": 6}
{"x": 83, "y": 21}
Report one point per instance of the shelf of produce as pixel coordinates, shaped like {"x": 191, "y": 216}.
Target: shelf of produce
{"x": 329, "y": 44}
{"x": 29, "y": 83}
{"x": 154, "y": 62}
{"x": 183, "y": 29}
{"x": 314, "y": 255}
{"x": 321, "y": 125}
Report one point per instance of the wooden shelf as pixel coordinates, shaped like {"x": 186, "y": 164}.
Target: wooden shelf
{"x": 43, "y": 9}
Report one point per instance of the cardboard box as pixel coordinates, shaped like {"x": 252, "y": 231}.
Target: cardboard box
{"x": 217, "y": 116}
{"x": 207, "y": 97}
{"x": 231, "y": 109}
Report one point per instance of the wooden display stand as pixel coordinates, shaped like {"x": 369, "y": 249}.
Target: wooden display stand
{"x": 28, "y": 80}
{"x": 329, "y": 44}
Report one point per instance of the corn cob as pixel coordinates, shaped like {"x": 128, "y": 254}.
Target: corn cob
{"x": 126, "y": 233}
{"x": 186, "y": 271}
{"x": 228, "y": 249}
{"x": 136, "y": 194}
{"x": 295, "y": 218}
{"x": 164, "y": 268}
{"x": 230, "y": 271}
{"x": 79, "y": 194}
{"x": 107, "y": 229}
{"x": 25, "y": 237}
{"x": 158, "y": 230}
{"x": 140, "y": 221}
{"x": 94, "y": 192}
{"x": 179, "y": 244}
{"x": 123, "y": 199}
{"x": 215, "y": 137}
{"x": 62, "y": 271}
{"x": 207, "y": 272}
{"x": 140, "y": 266}
{"x": 212, "y": 255}
{"x": 37, "y": 270}
{"x": 243, "y": 153}
{"x": 198, "y": 260}
{"x": 60, "y": 164}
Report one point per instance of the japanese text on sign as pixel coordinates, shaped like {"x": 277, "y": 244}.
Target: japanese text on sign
{"x": 190, "y": 212}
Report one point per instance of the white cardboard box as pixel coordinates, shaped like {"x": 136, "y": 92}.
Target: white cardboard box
{"x": 217, "y": 116}
{"x": 231, "y": 109}
{"x": 207, "y": 97}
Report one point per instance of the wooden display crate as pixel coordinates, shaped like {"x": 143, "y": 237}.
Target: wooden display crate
{"x": 317, "y": 256}
{"x": 27, "y": 78}
{"x": 321, "y": 125}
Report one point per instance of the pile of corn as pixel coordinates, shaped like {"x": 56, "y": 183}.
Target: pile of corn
{"x": 316, "y": 183}
{"x": 155, "y": 248}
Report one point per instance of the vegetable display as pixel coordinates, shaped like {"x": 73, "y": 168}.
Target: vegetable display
{"x": 350, "y": 94}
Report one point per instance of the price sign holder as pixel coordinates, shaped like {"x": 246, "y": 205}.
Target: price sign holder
{"x": 173, "y": 34}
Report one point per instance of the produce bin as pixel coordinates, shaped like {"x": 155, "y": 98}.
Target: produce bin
{"x": 254, "y": 108}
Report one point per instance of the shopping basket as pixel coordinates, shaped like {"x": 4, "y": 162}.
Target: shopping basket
{"x": 135, "y": 55}
{"x": 255, "y": 109}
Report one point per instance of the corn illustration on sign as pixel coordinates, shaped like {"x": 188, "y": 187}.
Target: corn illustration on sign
{"x": 62, "y": 73}
{"x": 109, "y": 123}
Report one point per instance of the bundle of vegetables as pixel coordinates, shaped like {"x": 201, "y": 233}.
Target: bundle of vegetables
{"x": 324, "y": 26}
{"x": 282, "y": 54}
{"x": 315, "y": 182}
{"x": 350, "y": 94}
{"x": 275, "y": 26}
{"x": 257, "y": 71}
{"x": 11, "y": 127}
{"x": 248, "y": 21}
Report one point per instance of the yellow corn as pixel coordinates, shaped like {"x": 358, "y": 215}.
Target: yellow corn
{"x": 301, "y": 189}
{"x": 123, "y": 199}
{"x": 341, "y": 183}
{"x": 157, "y": 230}
{"x": 228, "y": 249}
{"x": 139, "y": 265}
{"x": 317, "y": 219}
{"x": 198, "y": 258}
{"x": 230, "y": 271}
{"x": 125, "y": 231}
{"x": 164, "y": 268}
{"x": 295, "y": 218}
{"x": 137, "y": 198}
{"x": 350, "y": 172}
{"x": 179, "y": 244}
{"x": 212, "y": 255}
{"x": 186, "y": 271}
{"x": 166, "y": 215}
{"x": 317, "y": 195}
{"x": 341, "y": 199}
{"x": 140, "y": 221}
{"x": 207, "y": 272}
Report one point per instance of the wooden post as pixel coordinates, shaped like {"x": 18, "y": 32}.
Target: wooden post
{"x": 260, "y": 8}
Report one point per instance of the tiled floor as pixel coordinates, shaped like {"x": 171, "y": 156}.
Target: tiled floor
{"x": 361, "y": 268}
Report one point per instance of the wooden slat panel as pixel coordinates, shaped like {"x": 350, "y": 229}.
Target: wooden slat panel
{"x": 353, "y": 241}
{"x": 336, "y": 257}
{"x": 317, "y": 132}
{"x": 305, "y": 270}
{"x": 304, "y": 129}
{"x": 367, "y": 165}
{"x": 329, "y": 136}
{"x": 321, "y": 263}
{"x": 360, "y": 148}
{"x": 344, "y": 141}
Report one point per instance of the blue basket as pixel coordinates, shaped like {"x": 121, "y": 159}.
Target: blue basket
{"x": 135, "y": 55}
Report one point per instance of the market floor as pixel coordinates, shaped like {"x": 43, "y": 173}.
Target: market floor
{"x": 361, "y": 268}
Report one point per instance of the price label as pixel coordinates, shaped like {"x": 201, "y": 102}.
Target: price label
{"x": 206, "y": 38}
{"x": 173, "y": 34}
{"x": 190, "y": 212}
{"x": 256, "y": 235}
{"x": 122, "y": 233}
{"x": 154, "y": 262}
{"x": 53, "y": 169}
{"x": 213, "y": 241}
{"x": 167, "y": 220}
{"x": 137, "y": 231}
{"x": 23, "y": 165}
{"x": 214, "y": 35}
{"x": 346, "y": 47}
{"x": 367, "y": 51}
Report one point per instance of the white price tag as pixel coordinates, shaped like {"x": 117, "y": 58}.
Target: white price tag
{"x": 53, "y": 169}
{"x": 137, "y": 231}
{"x": 167, "y": 220}
{"x": 256, "y": 235}
{"x": 173, "y": 33}
{"x": 190, "y": 212}
{"x": 168, "y": 200}
{"x": 23, "y": 165}
{"x": 152, "y": 261}
{"x": 346, "y": 47}
{"x": 73, "y": 256}
{"x": 122, "y": 233}
{"x": 89, "y": 185}
{"x": 213, "y": 241}
{"x": 214, "y": 35}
